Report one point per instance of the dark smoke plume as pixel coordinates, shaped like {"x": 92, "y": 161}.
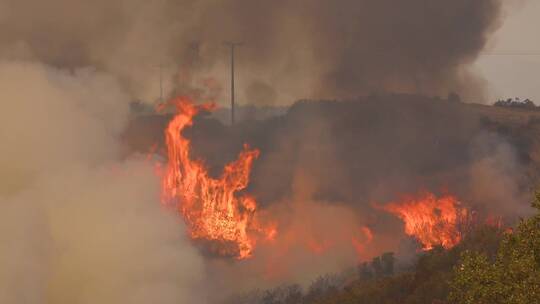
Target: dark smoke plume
{"x": 292, "y": 49}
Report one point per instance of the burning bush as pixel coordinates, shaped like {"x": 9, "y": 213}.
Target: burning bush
{"x": 432, "y": 221}
{"x": 212, "y": 208}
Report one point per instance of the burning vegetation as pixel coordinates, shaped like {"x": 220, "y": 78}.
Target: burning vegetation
{"x": 431, "y": 220}
{"x": 228, "y": 221}
{"x": 213, "y": 209}
{"x": 322, "y": 165}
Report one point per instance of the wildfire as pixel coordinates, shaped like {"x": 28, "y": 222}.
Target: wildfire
{"x": 212, "y": 208}
{"x": 432, "y": 221}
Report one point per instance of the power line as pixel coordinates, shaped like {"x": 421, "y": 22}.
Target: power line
{"x": 513, "y": 53}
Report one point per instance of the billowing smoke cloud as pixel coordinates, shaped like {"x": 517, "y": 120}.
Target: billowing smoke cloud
{"x": 294, "y": 49}
{"x": 77, "y": 223}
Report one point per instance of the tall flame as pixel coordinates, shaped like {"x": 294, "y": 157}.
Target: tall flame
{"x": 432, "y": 221}
{"x": 212, "y": 208}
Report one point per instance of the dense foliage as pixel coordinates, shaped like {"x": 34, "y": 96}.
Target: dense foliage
{"x": 511, "y": 277}
{"x": 515, "y": 103}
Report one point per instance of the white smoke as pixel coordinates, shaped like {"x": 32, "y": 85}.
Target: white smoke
{"x": 77, "y": 223}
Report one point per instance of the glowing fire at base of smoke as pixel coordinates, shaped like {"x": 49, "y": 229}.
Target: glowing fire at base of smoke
{"x": 432, "y": 221}
{"x": 212, "y": 208}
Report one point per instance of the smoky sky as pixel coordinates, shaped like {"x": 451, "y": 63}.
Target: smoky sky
{"x": 292, "y": 49}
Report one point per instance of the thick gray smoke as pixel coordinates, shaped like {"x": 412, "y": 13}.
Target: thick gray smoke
{"x": 291, "y": 49}
{"x": 77, "y": 223}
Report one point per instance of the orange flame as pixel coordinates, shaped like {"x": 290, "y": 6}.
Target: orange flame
{"x": 432, "y": 221}
{"x": 212, "y": 208}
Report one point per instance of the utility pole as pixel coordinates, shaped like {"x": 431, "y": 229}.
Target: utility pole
{"x": 232, "y": 45}
{"x": 160, "y": 67}
{"x": 160, "y": 82}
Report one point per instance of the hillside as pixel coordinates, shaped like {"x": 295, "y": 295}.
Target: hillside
{"x": 355, "y": 153}
{"x": 358, "y": 144}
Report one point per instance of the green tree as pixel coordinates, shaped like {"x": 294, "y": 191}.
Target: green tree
{"x": 512, "y": 277}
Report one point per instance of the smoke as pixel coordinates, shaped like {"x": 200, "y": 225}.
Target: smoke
{"x": 351, "y": 155}
{"x": 77, "y": 223}
{"x": 496, "y": 178}
{"x": 325, "y": 166}
{"x": 314, "y": 238}
{"x": 295, "y": 49}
